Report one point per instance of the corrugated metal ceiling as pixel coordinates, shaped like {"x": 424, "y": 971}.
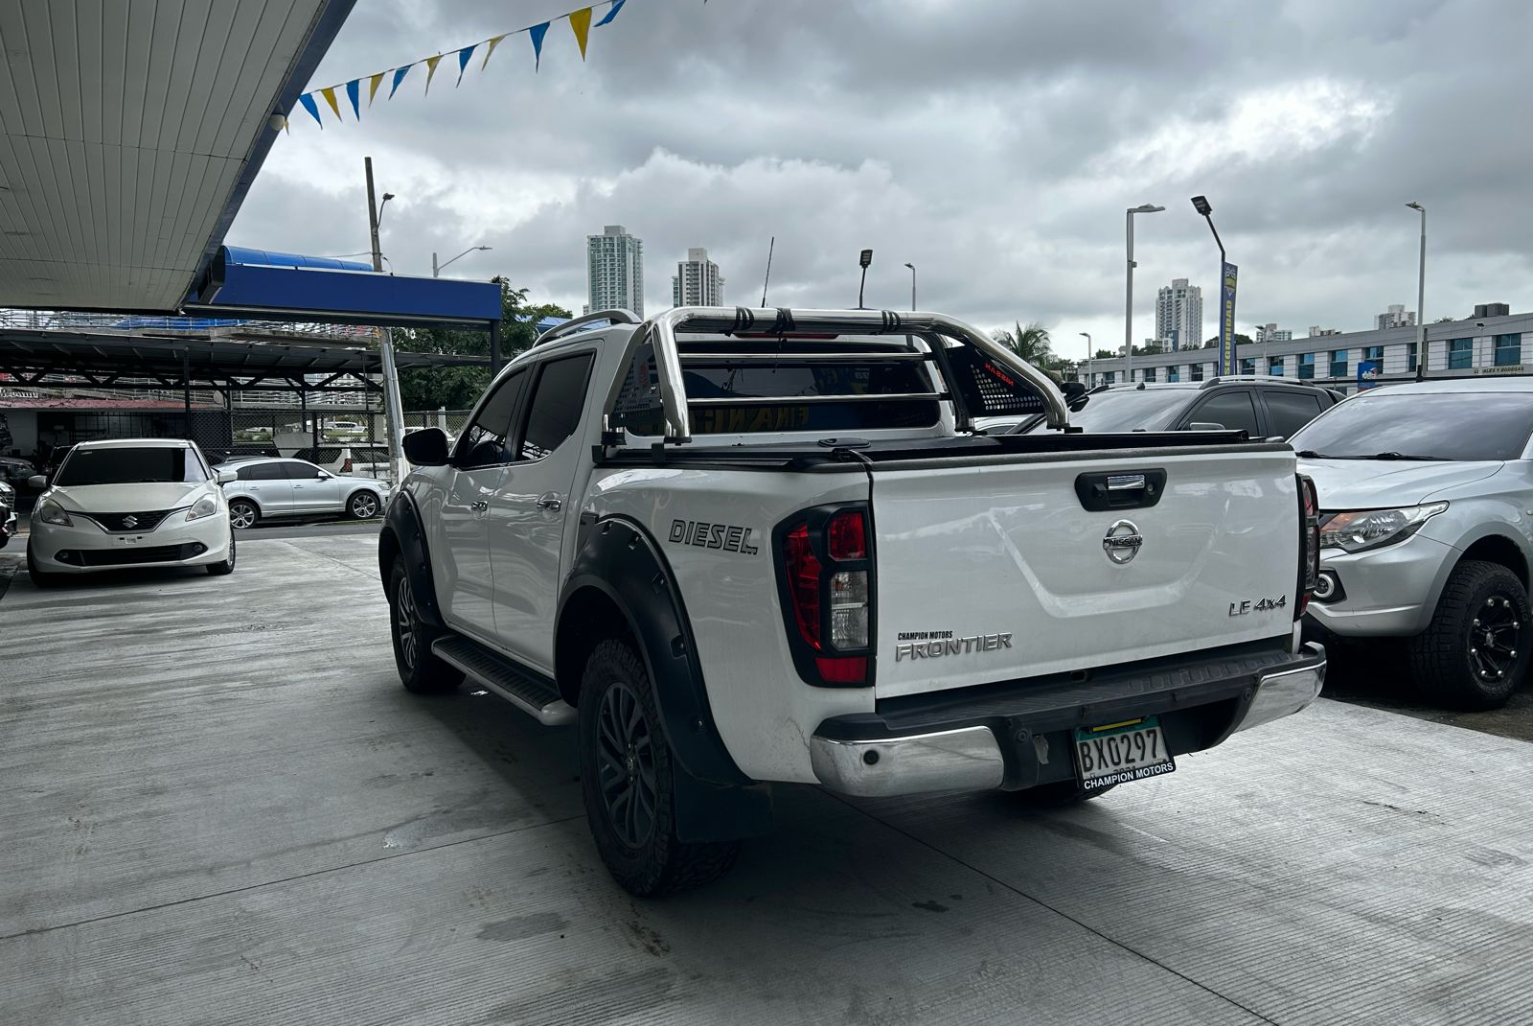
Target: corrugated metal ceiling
{"x": 128, "y": 126}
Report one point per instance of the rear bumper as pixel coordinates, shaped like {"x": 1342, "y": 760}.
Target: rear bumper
{"x": 1019, "y": 736}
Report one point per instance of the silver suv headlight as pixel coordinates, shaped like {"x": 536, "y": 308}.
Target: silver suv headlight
{"x": 203, "y": 507}
{"x": 51, "y": 512}
{"x": 1362, "y": 529}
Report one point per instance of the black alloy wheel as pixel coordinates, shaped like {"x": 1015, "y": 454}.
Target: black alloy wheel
{"x": 1475, "y": 652}
{"x": 1493, "y": 639}
{"x": 626, "y": 758}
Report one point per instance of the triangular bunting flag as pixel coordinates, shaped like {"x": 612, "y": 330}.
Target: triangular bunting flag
{"x": 307, "y": 99}
{"x": 431, "y": 63}
{"x": 580, "y": 21}
{"x": 617, "y": 5}
{"x": 490, "y": 49}
{"x": 399, "y": 76}
{"x": 329, "y": 94}
{"x": 537, "y": 32}
{"x": 353, "y": 93}
{"x": 372, "y": 86}
{"x": 463, "y": 56}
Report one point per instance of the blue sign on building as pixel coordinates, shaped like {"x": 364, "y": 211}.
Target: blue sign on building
{"x": 1367, "y": 374}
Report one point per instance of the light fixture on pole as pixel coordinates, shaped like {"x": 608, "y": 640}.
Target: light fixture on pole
{"x": 1227, "y": 276}
{"x": 863, "y": 261}
{"x": 1128, "y": 300}
{"x": 1087, "y": 336}
{"x": 436, "y": 271}
{"x": 912, "y": 285}
{"x": 1421, "y": 297}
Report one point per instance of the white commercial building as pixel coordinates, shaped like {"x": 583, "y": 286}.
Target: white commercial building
{"x": 615, "y": 270}
{"x": 1474, "y": 345}
{"x": 697, "y": 281}
{"x": 1397, "y": 316}
{"x": 1270, "y": 332}
{"x": 1179, "y": 315}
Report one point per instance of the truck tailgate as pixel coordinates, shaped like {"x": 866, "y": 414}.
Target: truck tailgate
{"x": 990, "y": 571}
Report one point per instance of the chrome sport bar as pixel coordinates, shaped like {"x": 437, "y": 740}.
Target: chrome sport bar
{"x": 739, "y": 320}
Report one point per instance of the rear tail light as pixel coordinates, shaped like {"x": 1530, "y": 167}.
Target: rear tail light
{"x": 828, "y": 588}
{"x": 346, "y": 467}
{"x": 1309, "y": 544}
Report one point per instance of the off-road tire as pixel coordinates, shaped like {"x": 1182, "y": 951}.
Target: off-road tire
{"x": 659, "y": 863}
{"x": 1058, "y": 795}
{"x": 421, "y": 672}
{"x": 1445, "y": 659}
{"x": 227, "y": 565}
{"x": 246, "y": 504}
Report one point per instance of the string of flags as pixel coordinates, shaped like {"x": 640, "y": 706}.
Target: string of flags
{"x": 580, "y": 22}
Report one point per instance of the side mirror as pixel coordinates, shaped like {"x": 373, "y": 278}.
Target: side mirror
{"x": 1204, "y": 425}
{"x": 226, "y": 476}
{"x": 323, "y": 475}
{"x": 427, "y": 447}
{"x": 37, "y": 481}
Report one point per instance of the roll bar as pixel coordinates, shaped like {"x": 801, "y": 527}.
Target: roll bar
{"x": 662, "y": 330}
{"x": 617, "y": 315}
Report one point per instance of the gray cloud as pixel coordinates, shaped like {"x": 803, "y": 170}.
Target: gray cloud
{"x": 995, "y": 144}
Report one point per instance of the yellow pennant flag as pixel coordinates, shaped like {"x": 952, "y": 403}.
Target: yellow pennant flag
{"x": 490, "y": 48}
{"x": 329, "y": 94}
{"x": 372, "y": 86}
{"x": 580, "y": 21}
{"x": 431, "y": 63}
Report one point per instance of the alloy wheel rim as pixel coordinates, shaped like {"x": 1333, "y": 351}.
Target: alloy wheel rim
{"x": 365, "y": 506}
{"x": 625, "y": 756}
{"x": 404, "y": 619}
{"x": 242, "y": 516}
{"x": 1493, "y": 639}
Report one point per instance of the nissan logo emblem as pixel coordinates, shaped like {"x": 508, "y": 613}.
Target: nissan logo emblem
{"x": 1122, "y": 542}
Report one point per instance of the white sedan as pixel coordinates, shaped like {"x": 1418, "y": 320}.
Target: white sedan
{"x": 128, "y": 503}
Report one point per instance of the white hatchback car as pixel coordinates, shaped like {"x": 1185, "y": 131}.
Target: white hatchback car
{"x": 129, "y": 503}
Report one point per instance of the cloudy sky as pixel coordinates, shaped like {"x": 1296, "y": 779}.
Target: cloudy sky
{"x": 993, "y": 143}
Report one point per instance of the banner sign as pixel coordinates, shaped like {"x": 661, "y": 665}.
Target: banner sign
{"x": 1367, "y": 374}
{"x": 1227, "y": 319}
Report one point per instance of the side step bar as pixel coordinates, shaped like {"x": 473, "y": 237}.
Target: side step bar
{"x": 532, "y": 693}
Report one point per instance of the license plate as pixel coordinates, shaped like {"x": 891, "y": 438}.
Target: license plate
{"x": 1116, "y": 753}
{"x": 127, "y": 539}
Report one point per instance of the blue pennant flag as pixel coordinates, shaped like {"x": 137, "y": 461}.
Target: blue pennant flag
{"x": 537, "y": 32}
{"x": 354, "y": 93}
{"x": 399, "y": 76}
{"x": 617, "y": 5}
{"x": 307, "y": 99}
{"x": 463, "y": 56}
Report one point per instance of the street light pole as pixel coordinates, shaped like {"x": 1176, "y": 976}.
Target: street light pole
{"x": 1128, "y": 300}
{"x": 1226, "y": 317}
{"x": 436, "y": 271}
{"x": 1089, "y": 351}
{"x": 912, "y": 285}
{"x": 393, "y": 415}
{"x": 1421, "y": 297}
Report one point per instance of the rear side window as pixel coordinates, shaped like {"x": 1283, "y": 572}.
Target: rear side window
{"x": 557, "y": 402}
{"x": 298, "y": 471}
{"x": 262, "y": 472}
{"x": 485, "y": 442}
{"x": 1288, "y": 411}
{"x": 1233, "y": 410}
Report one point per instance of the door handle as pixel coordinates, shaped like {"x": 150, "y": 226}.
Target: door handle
{"x": 550, "y": 501}
{"x": 481, "y": 505}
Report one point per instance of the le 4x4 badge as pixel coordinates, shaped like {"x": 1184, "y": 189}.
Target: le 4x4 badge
{"x": 1265, "y": 605}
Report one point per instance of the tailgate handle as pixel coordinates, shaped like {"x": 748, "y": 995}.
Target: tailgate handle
{"x": 1120, "y": 489}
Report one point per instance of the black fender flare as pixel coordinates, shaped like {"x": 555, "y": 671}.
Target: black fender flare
{"x": 404, "y": 535}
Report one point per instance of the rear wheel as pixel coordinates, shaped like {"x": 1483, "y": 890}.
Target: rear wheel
{"x": 363, "y": 506}
{"x": 627, "y": 776}
{"x": 420, "y": 670}
{"x": 243, "y": 514}
{"x": 227, "y": 566}
{"x": 1475, "y": 652}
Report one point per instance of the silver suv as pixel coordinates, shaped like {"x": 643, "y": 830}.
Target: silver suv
{"x": 1426, "y": 495}
{"x": 268, "y": 487}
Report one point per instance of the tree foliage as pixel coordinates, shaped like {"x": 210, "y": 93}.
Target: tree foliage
{"x": 457, "y": 388}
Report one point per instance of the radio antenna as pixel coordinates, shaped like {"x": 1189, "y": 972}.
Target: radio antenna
{"x": 770, "y": 246}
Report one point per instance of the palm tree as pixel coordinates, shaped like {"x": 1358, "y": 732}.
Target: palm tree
{"x": 1030, "y": 343}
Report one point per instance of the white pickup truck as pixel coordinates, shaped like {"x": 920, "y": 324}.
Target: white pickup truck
{"x": 747, "y": 546}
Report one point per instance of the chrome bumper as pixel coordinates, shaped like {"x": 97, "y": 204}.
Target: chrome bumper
{"x": 970, "y": 758}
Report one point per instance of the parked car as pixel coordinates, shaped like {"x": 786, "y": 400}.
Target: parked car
{"x": 14, "y": 470}
{"x": 786, "y": 557}
{"x": 1425, "y": 498}
{"x": 285, "y": 488}
{"x": 7, "y": 514}
{"x": 130, "y": 502}
{"x": 1261, "y": 407}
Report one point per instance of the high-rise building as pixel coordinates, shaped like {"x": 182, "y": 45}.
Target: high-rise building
{"x": 1316, "y": 331}
{"x": 1179, "y": 315}
{"x": 615, "y": 270}
{"x": 1397, "y": 316}
{"x": 1269, "y": 333}
{"x": 696, "y": 281}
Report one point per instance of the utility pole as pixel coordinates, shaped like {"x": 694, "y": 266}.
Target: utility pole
{"x": 1421, "y": 298}
{"x": 435, "y": 273}
{"x": 393, "y": 415}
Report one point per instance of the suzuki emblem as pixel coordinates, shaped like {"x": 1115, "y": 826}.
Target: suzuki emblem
{"x": 130, "y": 522}
{"x": 1122, "y": 542}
